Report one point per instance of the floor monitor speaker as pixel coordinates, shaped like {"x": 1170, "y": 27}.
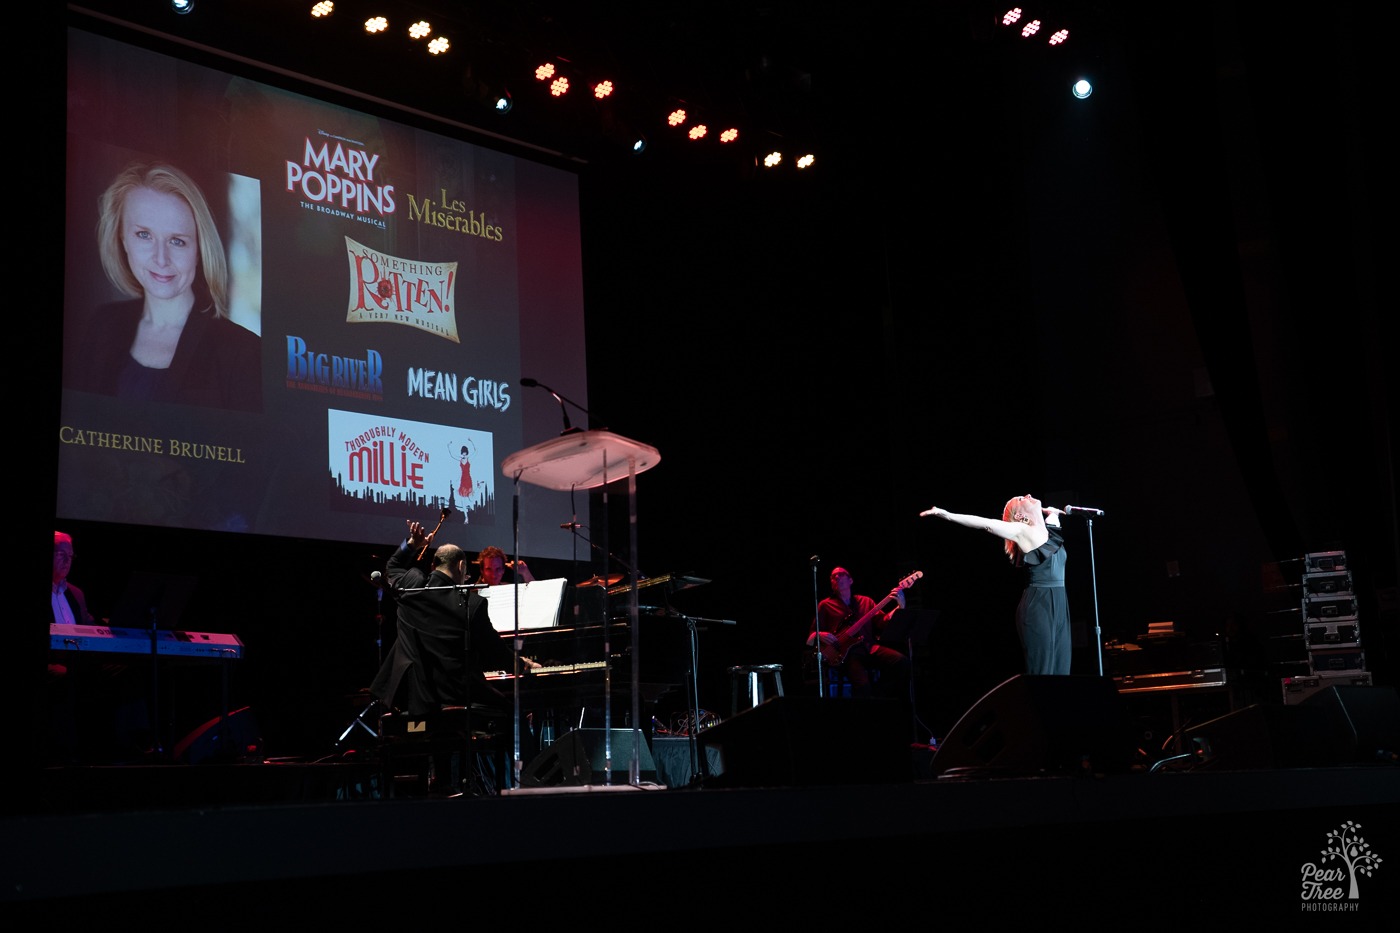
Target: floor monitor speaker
{"x": 1034, "y": 724}
{"x": 800, "y": 740}
{"x": 1269, "y": 736}
{"x": 1365, "y": 720}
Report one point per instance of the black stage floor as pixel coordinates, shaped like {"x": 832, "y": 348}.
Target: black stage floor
{"x": 811, "y": 844}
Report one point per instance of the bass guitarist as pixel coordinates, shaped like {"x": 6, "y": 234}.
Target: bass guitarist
{"x": 859, "y": 656}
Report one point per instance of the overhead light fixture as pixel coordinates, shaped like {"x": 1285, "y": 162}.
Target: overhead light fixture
{"x": 503, "y": 103}
{"x": 322, "y": 9}
{"x": 438, "y": 45}
{"x": 376, "y": 24}
{"x": 182, "y": 6}
{"x": 1082, "y": 88}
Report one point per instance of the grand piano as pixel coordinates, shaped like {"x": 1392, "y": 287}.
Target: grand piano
{"x": 587, "y": 661}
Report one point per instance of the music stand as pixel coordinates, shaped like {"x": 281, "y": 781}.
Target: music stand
{"x": 588, "y": 460}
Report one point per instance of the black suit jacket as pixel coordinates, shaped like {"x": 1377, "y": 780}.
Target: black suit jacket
{"x": 78, "y": 603}
{"x": 444, "y": 641}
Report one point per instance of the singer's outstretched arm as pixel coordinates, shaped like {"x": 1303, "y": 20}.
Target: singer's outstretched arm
{"x": 1023, "y": 535}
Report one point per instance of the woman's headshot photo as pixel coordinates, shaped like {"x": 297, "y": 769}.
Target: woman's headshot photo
{"x": 169, "y": 337}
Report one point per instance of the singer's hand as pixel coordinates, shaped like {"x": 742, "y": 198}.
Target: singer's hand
{"x": 1049, "y": 510}
{"x": 934, "y": 512}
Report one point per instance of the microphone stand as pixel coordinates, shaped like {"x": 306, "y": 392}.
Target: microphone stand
{"x": 816, "y": 629}
{"x": 1094, "y": 585}
{"x": 359, "y": 720}
{"x": 698, "y": 768}
{"x": 1093, "y": 573}
{"x": 158, "y": 746}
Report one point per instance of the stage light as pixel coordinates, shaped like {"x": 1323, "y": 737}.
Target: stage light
{"x": 639, "y": 145}
{"x": 420, "y": 29}
{"x": 323, "y": 8}
{"x": 182, "y": 6}
{"x": 806, "y": 161}
{"x": 729, "y": 135}
{"x": 503, "y": 103}
{"x": 544, "y": 72}
{"x": 772, "y": 160}
{"x": 675, "y": 117}
{"x": 438, "y": 45}
{"x": 698, "y": 131}
{"x": 1030, "y": 29}
{"x": 1059, "y": 37}
{"x": 603, "y": 89}
{"x": 1082, "y": 88}
{"x": 559, "y": 86}
{"x": 1011, "y": 16}
{"x": 376, "y": 24}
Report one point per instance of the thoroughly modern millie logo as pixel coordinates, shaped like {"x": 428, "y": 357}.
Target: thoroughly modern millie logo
{"x": 1333, "y": 882}
{"x": 376, "y": 461}
{"x": 401, "y": 291}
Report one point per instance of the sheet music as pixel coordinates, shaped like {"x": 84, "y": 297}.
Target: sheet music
{"x": 540, "y": 602}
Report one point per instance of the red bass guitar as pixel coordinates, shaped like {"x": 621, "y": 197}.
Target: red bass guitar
{"x": 836, "y": 645}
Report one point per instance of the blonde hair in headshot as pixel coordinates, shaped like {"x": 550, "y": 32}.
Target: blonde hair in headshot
{"x": 166, "y": 179}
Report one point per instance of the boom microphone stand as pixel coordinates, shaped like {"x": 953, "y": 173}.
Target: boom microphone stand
{"x": 361, "y": 721}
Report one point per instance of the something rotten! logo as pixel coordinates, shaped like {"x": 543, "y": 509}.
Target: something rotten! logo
{"x": 385, "y": 288}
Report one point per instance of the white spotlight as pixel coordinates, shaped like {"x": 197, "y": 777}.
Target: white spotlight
{"x": 1082, "y": 88}
{"x": 182, "y": 6}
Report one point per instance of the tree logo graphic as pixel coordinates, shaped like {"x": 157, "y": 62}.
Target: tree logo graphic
{"x": 1346, "y": 857}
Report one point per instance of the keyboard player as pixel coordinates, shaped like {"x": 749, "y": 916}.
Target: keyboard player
{"x": 115, "y": 722}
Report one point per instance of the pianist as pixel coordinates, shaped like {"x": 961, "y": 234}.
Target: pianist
{"x": 444, "y": 639}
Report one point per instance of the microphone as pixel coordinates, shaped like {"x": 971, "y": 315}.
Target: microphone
{"x": 568, "y": 428}
{"x": 532, "y": 383}
{"x": 377, "y": 578}
{"x": 1071, "y": 509}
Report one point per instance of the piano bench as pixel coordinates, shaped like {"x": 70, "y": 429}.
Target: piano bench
{"x": 430, "y": 750}
{"x": 747, "y": 687}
